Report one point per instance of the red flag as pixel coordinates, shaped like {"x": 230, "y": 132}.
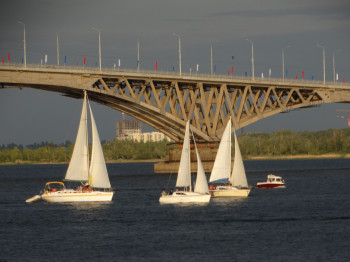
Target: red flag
{"x": 343, "y": 80}
{"x": 156, "y": 66}
{"x": 84, "y": 60}
{"x": 3, "y": 60}
{"x": 296, "y": 77}
{"x": 302, "y": 74}
{"x": 232, "y": 70}
{"x": 8, "y": 56}
{"x": 228, "y": 72}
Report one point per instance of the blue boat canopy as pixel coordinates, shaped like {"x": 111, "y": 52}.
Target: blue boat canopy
{"x": 220, "y": 180}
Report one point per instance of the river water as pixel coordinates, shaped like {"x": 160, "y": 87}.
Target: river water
{"x": 307, "y": 221}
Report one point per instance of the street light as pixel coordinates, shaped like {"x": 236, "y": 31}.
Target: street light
{"x": 324, "y": 64}
{"x": 138, "y": 52}
{"x": 58, "y": 50}
{"x": 211, "y": 58}
{"x": 99, "y": 45}
{"x": 334, "y": 64}
{"x": 24, "y": 45}
{"x": 179, "y": 52}
{"x": 252, "y": 57}
{"x": 285, "y": 48}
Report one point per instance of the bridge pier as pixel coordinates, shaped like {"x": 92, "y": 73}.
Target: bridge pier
{"x": 207, "y": 152}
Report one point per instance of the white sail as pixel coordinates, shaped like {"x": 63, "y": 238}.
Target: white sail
{"x": 222, "y": 165}
{"x": 238, "y": 177}
{"x": 78, "y": 169}
{"x": 98, "y": 170}
{"x": 184, "y": 173}
{"x": 201, "y": 180}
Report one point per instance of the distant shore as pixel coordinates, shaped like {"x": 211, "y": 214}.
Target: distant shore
{"x": 284, "y": 157}
{"x": 305, "y": 156}
{"x": 66, "y": 163}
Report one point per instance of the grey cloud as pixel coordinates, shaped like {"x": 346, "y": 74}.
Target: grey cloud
{"x": 342, "y": 11}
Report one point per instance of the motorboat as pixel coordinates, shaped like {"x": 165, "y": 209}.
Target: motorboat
{"x": 272, "y": 182}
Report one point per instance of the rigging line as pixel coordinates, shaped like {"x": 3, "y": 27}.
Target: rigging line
{"x": 167, "y": 186}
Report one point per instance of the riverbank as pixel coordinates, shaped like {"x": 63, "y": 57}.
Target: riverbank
{"x": 284, "y": 157}
{"x": 66, "y": 163}
{"x": 305, "y": 156}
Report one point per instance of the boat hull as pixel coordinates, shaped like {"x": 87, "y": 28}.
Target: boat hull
{"x": 270, "y": 185}
{"x": 229, "y": 191}
{"x": 184, "y": 197}
{"x": 73, "y": 196}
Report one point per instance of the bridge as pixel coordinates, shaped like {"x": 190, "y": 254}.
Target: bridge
{"x": 166, "y": 100}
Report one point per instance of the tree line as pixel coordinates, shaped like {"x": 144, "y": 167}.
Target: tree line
{"x": 286, "y": 142}
{"x": 279, "y": 143}
{"x": 113, "y": 151}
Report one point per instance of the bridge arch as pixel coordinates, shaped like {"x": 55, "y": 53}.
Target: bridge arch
{"x": 166, "y": 101}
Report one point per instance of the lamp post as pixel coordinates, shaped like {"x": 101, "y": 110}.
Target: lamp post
{"x": 211, "y": 58}
{"x": 252, "y": 57}
{"x": 179, "y": 52}
{"x": 138, "y": 52}
{"x": 334, "y": 64}
{"x": 58, "y": 50}
{"x": 99, "y": 45}
{"x": 285, "y": 48}
{"x": 324, "y": 64}
{"x": 24, "y": 45}
{"x": 138, "y": 55}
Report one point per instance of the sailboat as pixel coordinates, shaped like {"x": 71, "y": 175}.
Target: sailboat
{"x": 233, "y": 184}
{"x": 186, "y": 195}
{"x": 94, "y": 181}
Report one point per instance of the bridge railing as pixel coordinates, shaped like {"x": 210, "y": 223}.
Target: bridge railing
{"x": 171, "y": 74}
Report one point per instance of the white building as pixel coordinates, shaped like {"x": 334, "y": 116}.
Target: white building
{"x": 131, "y": 130}
{"x": 148, "y": 137}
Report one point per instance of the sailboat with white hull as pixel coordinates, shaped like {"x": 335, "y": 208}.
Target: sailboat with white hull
{"x": 233, "y": 184}
{"x": 94, "y": 181}
{"x": 186, "y": 195}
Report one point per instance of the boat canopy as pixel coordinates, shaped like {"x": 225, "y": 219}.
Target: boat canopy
{"x": 54, "y": 182}
{"x": 224, "y": 180}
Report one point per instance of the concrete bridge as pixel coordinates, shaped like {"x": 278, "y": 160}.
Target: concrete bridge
{"x": 166, "y": 100}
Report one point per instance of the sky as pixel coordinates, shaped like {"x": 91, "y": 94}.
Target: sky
{"x": 30, "y": 116}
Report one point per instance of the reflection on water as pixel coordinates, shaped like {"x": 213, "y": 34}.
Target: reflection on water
{"x": 307, "y": 221}
{"x": 232, "y": 201}
{"x": 96, "y": 206}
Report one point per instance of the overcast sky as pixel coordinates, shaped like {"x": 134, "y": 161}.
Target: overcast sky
{"x": 28, "y": 116}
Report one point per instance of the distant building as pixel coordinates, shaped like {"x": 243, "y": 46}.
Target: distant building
{"x": 131, "y": 130}
{"x": 148, "y": 137}
{"x": 127, "y": 127}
